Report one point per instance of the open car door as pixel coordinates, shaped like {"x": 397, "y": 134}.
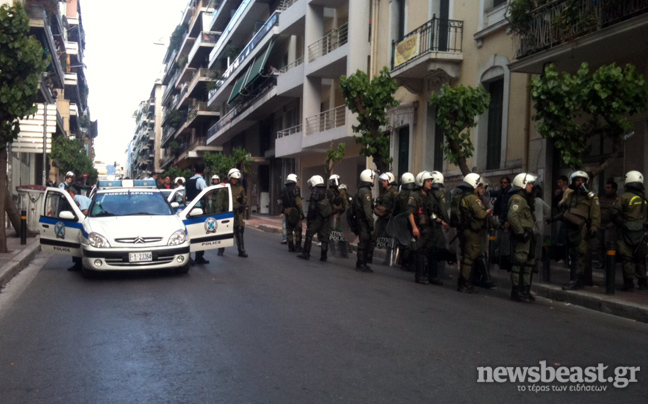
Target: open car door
{"x": 177, "y": 195}
{"x": 61, "y": 224}
{"x": 209, "y": 219}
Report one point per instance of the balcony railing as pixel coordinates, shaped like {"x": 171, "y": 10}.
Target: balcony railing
{"x": 236, "y": 111}
{"x": 205, "y": 38}
{"x": 333, "y": 118}
{"x": 285, "y": 4}
{"x": 261, "y": 33}
{"x": 292, "y": 65}
{"x": 289, "y": 131}
{"x": 557, "y": 22}
{"x": 436, "y": 35}
{"x": 194, "y": 109}
{"x": 328, "y": 43}
{"x": 233, "y": 22}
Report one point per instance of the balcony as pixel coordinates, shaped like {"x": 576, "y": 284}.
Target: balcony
{"x": 321, "y": 129}
{"x": 205, "y": 42}
{"x": 228, "y": 31}
{"x": 328, "y": 43}
{"x": 434, "y": 48}
{"x": 568, "y": 36}
{"x": 289, "y": 142}
{"x": 198, "y": 114}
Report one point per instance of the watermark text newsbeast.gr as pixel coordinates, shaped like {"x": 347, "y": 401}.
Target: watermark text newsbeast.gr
{"x": 583, "y": 377}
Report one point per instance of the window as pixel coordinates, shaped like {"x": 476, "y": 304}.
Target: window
{"x": 403, "y": 150}
{"x": 494, "y": 136}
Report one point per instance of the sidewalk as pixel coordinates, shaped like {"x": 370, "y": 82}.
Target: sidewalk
{"x": 632, "y": 305}
{"x": 18, "y": 257}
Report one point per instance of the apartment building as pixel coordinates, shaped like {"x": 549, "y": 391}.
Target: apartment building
{"x": 272, "y": 79}
{"x": 142, "y": 149}
{"x": 606, "y": 31}
{"x": 63, "y": 90}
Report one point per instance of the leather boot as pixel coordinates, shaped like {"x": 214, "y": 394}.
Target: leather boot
{"x": 344, "y": 250}
{"x": 331, "y": 247}
{"x": 241, "y": 244}
{"x": 298, "y": 242}
{"x": 527, "y": 293}
{"x": 291, "y": 246}
{"x": 305, "y": 254}
{"x": 324, "y": 251}
{"x": 628, "y": 285}
{"x": 465, "y": 286}
{"x": 420, "y": 275}
{"x": 575, "y": 284}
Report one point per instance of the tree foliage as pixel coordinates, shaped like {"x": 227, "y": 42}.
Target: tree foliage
{"x": 219, "y": 163}
{"x": 369, "y": 99}
{"x": 22, "y": 61}
{"x": 333, "y": 156}
{"x": 457, "y": 108}
{"x": 69, "y": 155}
{"x": 175, "y": 172}
{"x": 571, "y": 109}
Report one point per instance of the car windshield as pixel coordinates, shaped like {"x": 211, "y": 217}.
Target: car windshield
{"x": 130, "y": 203}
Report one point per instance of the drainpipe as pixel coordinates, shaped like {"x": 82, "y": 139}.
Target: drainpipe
{"x": 527, "y": 126}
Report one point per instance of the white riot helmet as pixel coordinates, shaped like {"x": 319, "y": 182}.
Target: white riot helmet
{"x": 215, "y": 177}
{"x": 315, "y": 180}
{"x": 579, "y": 174}
{"x": 234, "y": 174}
{"x": 69, "y": 174}
{"x": 407, "y": 178}
{"x": 179, "y": 180}
{"x": 389, "y": 177}
{"x": 334, "y": 180}
{"x": 472, "y": 179}
{"x": 291, "y": 178}
{"x": 521, "y": 180}
{"x": 342, "y": 186}
{"x": 422, "y": 177}
{"x": 437, "y": 177}
{"x": 367, "y": 176}
{"x": 634, "y": 176}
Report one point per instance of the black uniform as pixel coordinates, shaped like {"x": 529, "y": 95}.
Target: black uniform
{"x": 365, "y": 224}
{"x": 318, "y": 220}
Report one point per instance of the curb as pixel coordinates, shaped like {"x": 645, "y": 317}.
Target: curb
{"x": 19, "y": 262}
{"x": 584, "y": 299}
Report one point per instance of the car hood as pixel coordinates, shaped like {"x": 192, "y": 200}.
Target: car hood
{"x": 138, "y": 231}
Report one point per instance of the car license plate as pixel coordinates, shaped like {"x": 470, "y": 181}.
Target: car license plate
{"x": 140, "y": 257}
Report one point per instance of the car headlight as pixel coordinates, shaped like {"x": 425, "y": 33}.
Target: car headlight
{"x": 178, "y": 237}
{"x": 98, "y": 241}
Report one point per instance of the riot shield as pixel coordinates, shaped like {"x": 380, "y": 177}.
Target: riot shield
{"x": 343, "y": 230}
{"x": 398, "y": 228}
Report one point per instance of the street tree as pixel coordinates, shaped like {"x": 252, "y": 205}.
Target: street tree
{"x": 68, "y": 154}
{"x": 22, "y": 62}
{"x": 571, "y": 109}
{"x": 175, "y": 172}
{"x": 220, "y": 163}
{"x": 457, "y": 108}
{"x": 369, "y": 99}
{"x": 333, "y": 156}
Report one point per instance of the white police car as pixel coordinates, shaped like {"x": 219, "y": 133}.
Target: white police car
{"x": 131, "y": 226}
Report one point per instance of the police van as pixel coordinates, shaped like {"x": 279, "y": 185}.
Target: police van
{"x": 131, "y": 226}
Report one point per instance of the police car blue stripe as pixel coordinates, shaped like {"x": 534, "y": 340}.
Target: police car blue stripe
{"x": 66, "y": 223}
{"x": 202, "y": 219}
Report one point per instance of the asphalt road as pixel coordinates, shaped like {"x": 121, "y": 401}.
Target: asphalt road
{"x": 275, "y": 329}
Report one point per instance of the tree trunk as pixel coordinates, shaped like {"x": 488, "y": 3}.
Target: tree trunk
{"x": 3, "y": 192}
{"x": 616, "y": 150}
{"x": 12, "y": 211}
{"x": 461, "y": 161}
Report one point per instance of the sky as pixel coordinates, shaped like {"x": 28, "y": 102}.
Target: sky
{"x": 122, "y": 63}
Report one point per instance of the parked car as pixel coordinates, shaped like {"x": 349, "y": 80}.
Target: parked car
{"x": 131, "y": 226}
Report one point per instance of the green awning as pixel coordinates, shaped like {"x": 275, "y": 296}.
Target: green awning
{"x": 258, "y": 66}
{"x": 237, "y": 88}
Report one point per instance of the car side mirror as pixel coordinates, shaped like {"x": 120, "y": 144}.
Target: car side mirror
{"x": 67, "y": 215}
{"x": 196, "y": 212}
{"x": 175, "y": 205}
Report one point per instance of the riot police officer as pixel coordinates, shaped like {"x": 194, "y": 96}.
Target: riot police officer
{"x": 408, "y": 187}
{"x": 473, "y": 215}
{"x": 581, "y": 215}
{"x": 439, "y": 209}
{"x": 291, "y": 208}
{"x": 630, "y": 213}
{"x": 383, "y": 210}
{"x": 340, "y": 203}
{"x": 421, "y": 225}
{"x": 364, "y": 221}
{"x": 318, "y": 218}
{"x": 239, "y": 201}
{"x": 521, "y": 219}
